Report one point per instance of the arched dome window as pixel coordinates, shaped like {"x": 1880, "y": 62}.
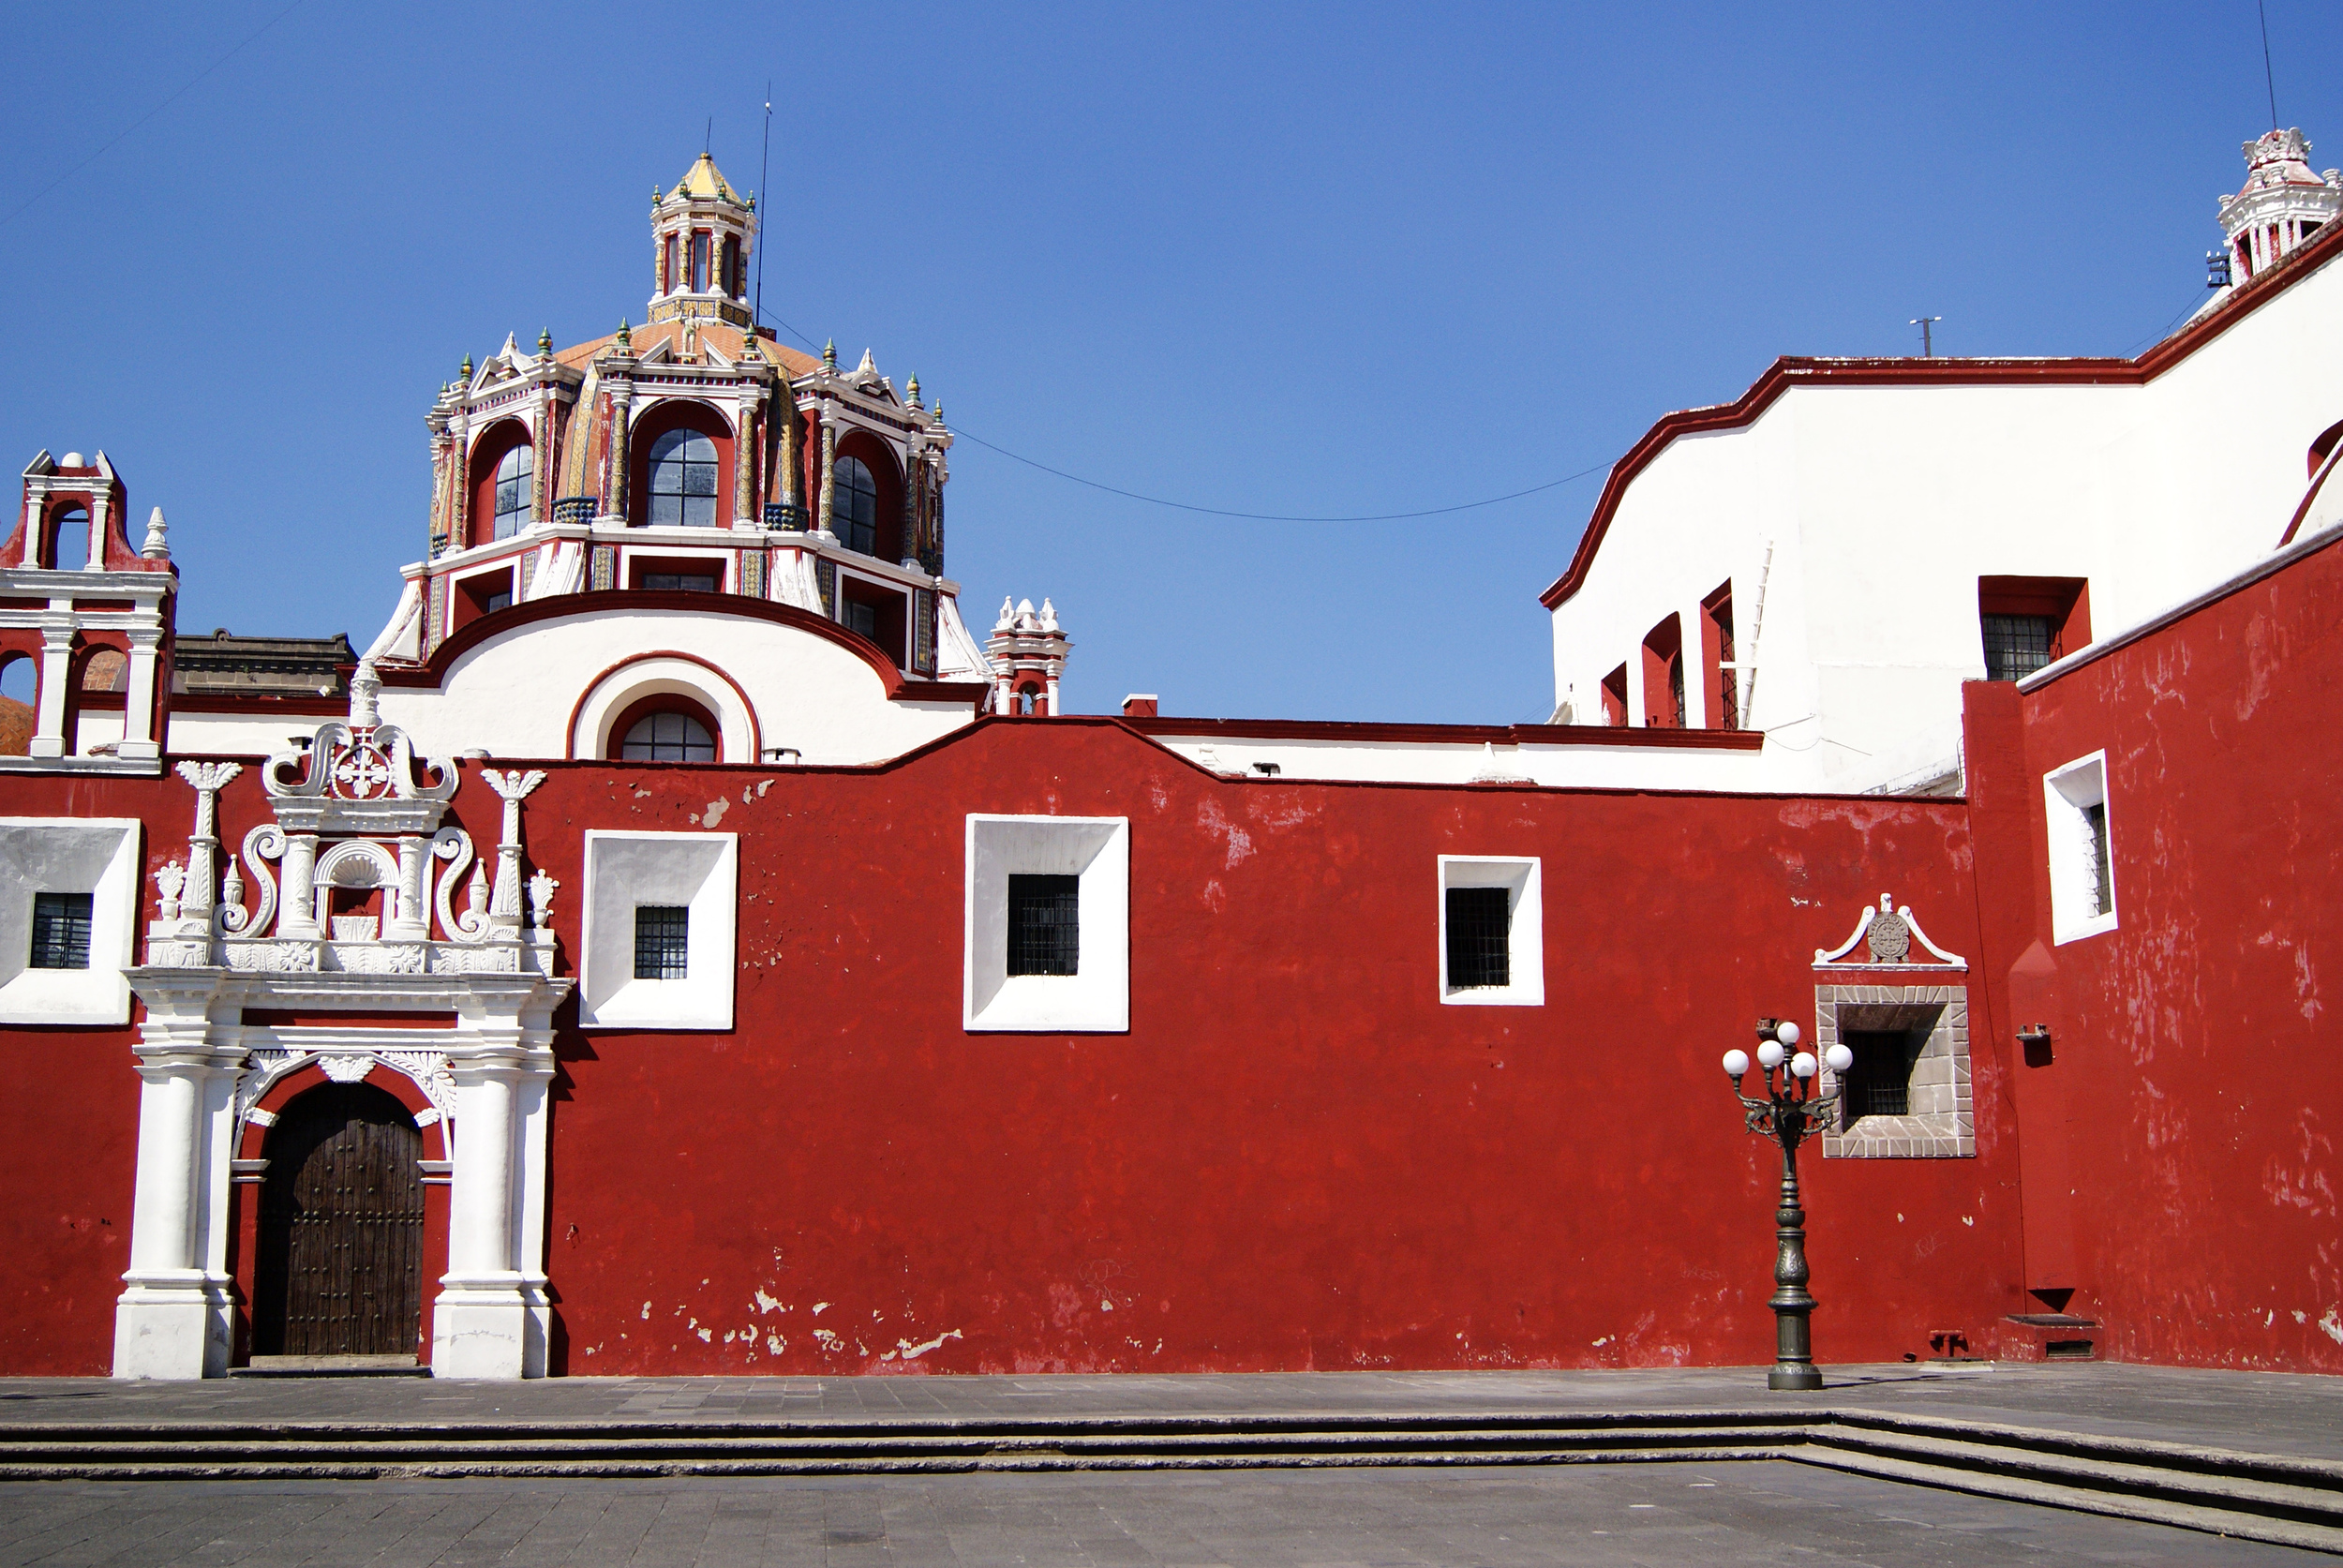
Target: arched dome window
{"x": 667, "y": 736}
{"x": 516, "y": 490}
{"x": 683, "y": 480}
{"x": 854, "y": 506}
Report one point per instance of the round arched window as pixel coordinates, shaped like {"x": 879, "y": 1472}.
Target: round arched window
{"x": 667, "y": 736}
{"x": 515, "y": 481}
{"x": 854, "y": 506}
{"x": 683, "y": 480}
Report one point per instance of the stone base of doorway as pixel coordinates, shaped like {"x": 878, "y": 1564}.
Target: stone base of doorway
{"x": 2258, "y": 1497}
{"x": 331, "y": 1366}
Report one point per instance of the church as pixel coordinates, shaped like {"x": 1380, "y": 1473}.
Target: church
{"x": 678, "y": 943}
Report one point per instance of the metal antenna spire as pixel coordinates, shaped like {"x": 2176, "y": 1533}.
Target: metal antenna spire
{"x": 1928, "y": 341}
{"x": 2268, "y": 78}
{"x": 764, "y": 171}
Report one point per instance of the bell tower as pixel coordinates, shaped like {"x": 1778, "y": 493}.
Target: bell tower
{"x": 701, "y": 236}
{"x": 2282, "y": 205}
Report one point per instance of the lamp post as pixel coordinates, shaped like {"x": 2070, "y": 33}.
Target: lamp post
{"x": 1788, "y": 1110}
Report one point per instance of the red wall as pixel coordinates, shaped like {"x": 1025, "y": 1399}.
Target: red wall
{"x": 2190, "y": 1100}
{"x": 1297, "y": 1157}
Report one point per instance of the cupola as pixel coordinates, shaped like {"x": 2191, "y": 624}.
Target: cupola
{"x": 2282, "y": 205}
{"x": 702, "y": 233}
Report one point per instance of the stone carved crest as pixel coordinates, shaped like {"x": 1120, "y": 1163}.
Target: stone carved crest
{"x": 1887, "y": 931}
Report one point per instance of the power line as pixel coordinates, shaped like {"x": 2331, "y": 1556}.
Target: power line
{"x": 1222, "y": 512}
{"x": 2269, "y": 79}
{"x": 134, "y": 125}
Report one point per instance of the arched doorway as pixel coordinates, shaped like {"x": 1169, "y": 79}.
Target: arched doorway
{"x": 339, "y": 1271}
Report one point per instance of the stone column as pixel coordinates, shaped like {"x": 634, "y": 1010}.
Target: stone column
{"x": 172, "y": 1319}
{"x": 746, "y": 512}
{"x": 621, "y": 403}
{"x": 56, "y": 675}
{"x": 297, "y": 918}
{"x": 829, "y": 474}
{"x": 139, "y": 739}
{"x": 95, "y": 560}
{"x": 409, "y": 919}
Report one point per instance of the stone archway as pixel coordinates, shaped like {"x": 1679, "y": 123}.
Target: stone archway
{"x": 339, "y": 1271}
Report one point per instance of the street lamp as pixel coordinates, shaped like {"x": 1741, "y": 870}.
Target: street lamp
{"x": 1789, "y": 1111}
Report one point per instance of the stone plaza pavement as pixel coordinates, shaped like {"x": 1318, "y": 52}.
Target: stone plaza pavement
{"x": 1045, "y": 1504}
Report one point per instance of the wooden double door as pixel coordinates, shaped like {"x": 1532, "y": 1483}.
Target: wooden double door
{"x": 339, "y": 1271}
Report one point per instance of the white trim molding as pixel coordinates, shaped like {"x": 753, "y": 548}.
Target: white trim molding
{"x": 1522, "y": 876}
{"x": 1097, "y": 999}
{"x": 97, "y": 856}
{"x": 698, "y": 872}
{"x": 2081, "y": 833}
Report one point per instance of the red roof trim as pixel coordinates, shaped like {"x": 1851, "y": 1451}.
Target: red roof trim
{"x": 1788, "y": 372}
{"x": 1454, "y": 735}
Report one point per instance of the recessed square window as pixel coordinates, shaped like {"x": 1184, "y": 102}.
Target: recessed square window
{"x": 1048, "y": 924}
{"x": 61, "y": 930}
{"x": 1492, "y": 930}
{"x": 662, "y": 942}
{"x": 679, "y": 582}
{"x": 660, "y": 927}
{"x": 1044, "y": 924}
{"x": 69, "y": 908}
{"x": 2082, "y": 849}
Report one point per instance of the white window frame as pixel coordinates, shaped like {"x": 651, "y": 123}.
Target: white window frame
{"x": 1524, "y": 877}
{"x": 97, "y": 856}
{"x": 838, "y": 604}
{"x": 2068, "y": 793}
{"x": 1097, "y": 999}
{"x": 623, "y": 870}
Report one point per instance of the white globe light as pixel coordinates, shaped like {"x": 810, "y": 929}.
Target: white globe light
{"x": 1840, "y": 1058}
{"x": 1770, "y": 1055}
{"x": 1803, "y": 1064}
{"x": 1786, "y": 1033}
{"x": 1735, "y": 1063}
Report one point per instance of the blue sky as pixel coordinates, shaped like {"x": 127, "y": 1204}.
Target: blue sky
{"x": 1321, "y": 261}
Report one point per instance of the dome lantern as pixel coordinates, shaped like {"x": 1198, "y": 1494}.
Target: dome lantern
{"x": 702, "y": 233}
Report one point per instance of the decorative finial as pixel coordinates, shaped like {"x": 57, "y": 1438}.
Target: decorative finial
{"x": 913, "y": 389}
{"x": 938, "y": 410}
{"x": 749, "y": 349}
{"x": 626, "y": 338}
{"x": 869, "y": 366}
{"x": 829, "y": 353}
{"x": 545, "y": 341}
{"x": 365, "y": 687}
{"x": 154, "y": 548}
{"x": 468, "y": 369}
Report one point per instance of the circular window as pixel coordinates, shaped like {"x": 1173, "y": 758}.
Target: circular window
{"x": 667, "y": 736}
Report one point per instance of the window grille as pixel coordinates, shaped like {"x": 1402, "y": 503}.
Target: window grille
{"x": 61, "y": 930}
{"x": 1044, "y": 924}
{"x": 2095, "y": 846}
{"x": 667, "y": 738}
{"x": 679, "y": 582}
{"x": 492, "y": 602}
{"x": 661, "y": 942}
{"x": 2016, "y": 646}
{"x": 515, "y": 480}
{"x": 1880, "y": 1081}
{"x": 1480, "y": 937}
{"x": 854, "y": 505}
{"x": 683, "y": 480}
{"x": 862, "y": 619}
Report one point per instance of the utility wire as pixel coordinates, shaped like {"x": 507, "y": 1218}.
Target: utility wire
{"x": 134, "y": 125}
{"x": 962, "y": 430}
{"x": 2269, "y": 77}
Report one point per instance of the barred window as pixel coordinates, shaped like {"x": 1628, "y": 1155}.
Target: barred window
{"x": 61, "y": 930}
{"x": 1880, "y": 1081}
{"x": 1480, "y": 937}
{"x": 661, "y": 942}
{"x": 2016, "y": 646}
{"x": 2094, "y": 844}
{"x": 1044, "y": 924}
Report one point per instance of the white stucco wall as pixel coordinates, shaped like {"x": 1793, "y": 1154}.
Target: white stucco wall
{"x": 1883, "y": 506}
{"x": 1572, "y": 767}
{"x": 513, "y": 696}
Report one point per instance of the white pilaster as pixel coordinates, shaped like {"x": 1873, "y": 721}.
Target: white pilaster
{"x": 172, "y": 1318}
{"x": 56, "y": 670}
